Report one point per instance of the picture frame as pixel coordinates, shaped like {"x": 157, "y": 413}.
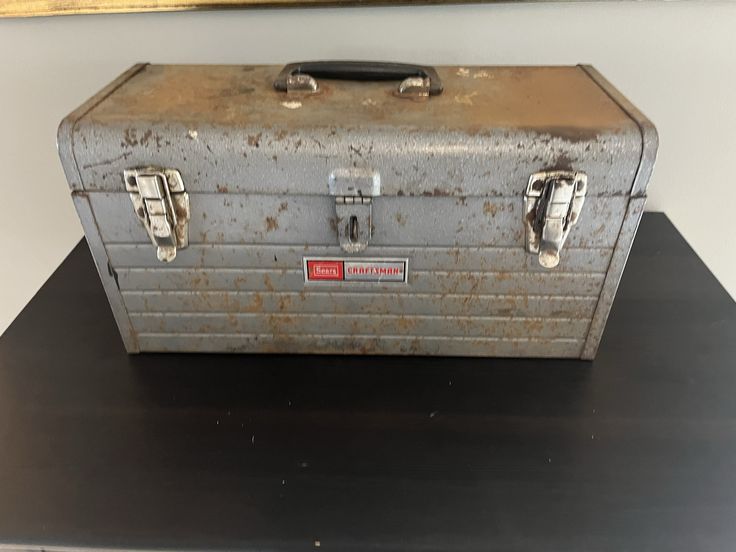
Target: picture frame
{"x": 34, "y": 8}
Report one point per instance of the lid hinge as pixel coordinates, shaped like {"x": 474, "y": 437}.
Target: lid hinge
{"x": 552, "y": 204}
{"x": 354, "y": 190}
{"x": 162, "y": 205}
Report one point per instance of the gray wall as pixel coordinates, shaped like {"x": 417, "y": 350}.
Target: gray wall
{"x": 676, "y": 61}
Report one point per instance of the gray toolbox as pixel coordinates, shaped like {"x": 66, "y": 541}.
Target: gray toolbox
{"x": 360, "y": 207}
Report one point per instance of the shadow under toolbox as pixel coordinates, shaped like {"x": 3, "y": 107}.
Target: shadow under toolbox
{"x": 360, "y": 207}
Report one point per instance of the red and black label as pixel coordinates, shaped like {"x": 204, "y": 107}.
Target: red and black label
{"x": 355, "y": 270}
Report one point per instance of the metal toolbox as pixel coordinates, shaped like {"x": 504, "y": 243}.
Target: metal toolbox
{"x": 360, "y": 207}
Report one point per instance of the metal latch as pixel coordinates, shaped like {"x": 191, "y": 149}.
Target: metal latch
{"x": 162, "y": 205}
{"x": 552, "y": 204}
{"x": 354, "y": 190}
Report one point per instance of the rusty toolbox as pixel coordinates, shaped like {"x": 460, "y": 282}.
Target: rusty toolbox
{"x": 360, "y": 207}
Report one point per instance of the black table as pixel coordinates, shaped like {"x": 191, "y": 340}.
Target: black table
{"x": 636, "y": 451}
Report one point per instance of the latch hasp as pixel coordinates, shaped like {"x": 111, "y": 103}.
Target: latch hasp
{"x": 162, "y": 205}
{"x": 354, "y": 190}
{"x": 553, "y": 201}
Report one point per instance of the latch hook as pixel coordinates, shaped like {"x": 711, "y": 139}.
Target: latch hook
{"x": 552, "y": 204}
{"x": 162, "y": 205}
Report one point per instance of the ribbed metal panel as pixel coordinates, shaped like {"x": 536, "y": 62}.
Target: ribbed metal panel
{"x": 362, "y": 344}
{"x": 215, "y": 255}
{"x": 353, "y": 324}
{"x": 478, "y": 284}
{"x": 420, "y": 281}
{"x": 253, "y": 298}
{"x": 346, "y": 302}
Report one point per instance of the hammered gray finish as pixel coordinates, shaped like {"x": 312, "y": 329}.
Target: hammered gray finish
{"x": 397, "y": 221}
{"x": 453, "y": 170}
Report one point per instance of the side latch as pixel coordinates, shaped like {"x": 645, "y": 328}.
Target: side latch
{"x": 162, "y": 205}
{"x": 354, "y": 190}
{"x": 552, "y": 204}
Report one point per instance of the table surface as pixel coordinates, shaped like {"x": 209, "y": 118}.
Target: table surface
{"x": 635, "y": 451}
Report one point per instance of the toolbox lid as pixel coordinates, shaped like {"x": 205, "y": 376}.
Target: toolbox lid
{"x": 228, "y": 129}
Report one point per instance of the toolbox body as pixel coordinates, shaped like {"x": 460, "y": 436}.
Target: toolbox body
{"x": 480, "y": 211}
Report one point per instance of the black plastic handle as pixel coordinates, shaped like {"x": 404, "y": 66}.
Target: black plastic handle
{"x": 359, "y": 71}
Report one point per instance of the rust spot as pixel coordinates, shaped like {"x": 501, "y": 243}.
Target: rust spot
{"x": 531, "y": 220}
{"x": 256, "y": 305}
{"x": 267, "y": 282}
{"x": 146, "y": 137}
{"x": 200, "y": 280}
{"x": 283, "y": 207}
{"x": 401, "y": 219}
{"x": 284, "y": 302}
{"x": 572, "y": 134}
{"x": 564, "y": 102}
{"x": 222, "y": 189}
{"x": 254, "y": 140}
{"x": 489, "y": 208}
{"x": 271, "y": 224}
{"x": 333, "y": 224}
{"x": 563, "y": 162}
{"x": 130, "y": 137}
{"x": 237, "y": 90}
{"x": 437, "y": 192}
{"x": 533, "y": 325}
{"x": 414, "y": 345}
{"x": 406, "y": 324}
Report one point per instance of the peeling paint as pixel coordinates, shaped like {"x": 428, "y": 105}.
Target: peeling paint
{"x": 466, "y": 99}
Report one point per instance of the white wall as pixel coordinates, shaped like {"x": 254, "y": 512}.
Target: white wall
{"x": 676, "y": 61}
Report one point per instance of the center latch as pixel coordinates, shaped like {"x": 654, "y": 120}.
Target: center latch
{"x": 354, "y": 190}
{"x": 552, "y": 204}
